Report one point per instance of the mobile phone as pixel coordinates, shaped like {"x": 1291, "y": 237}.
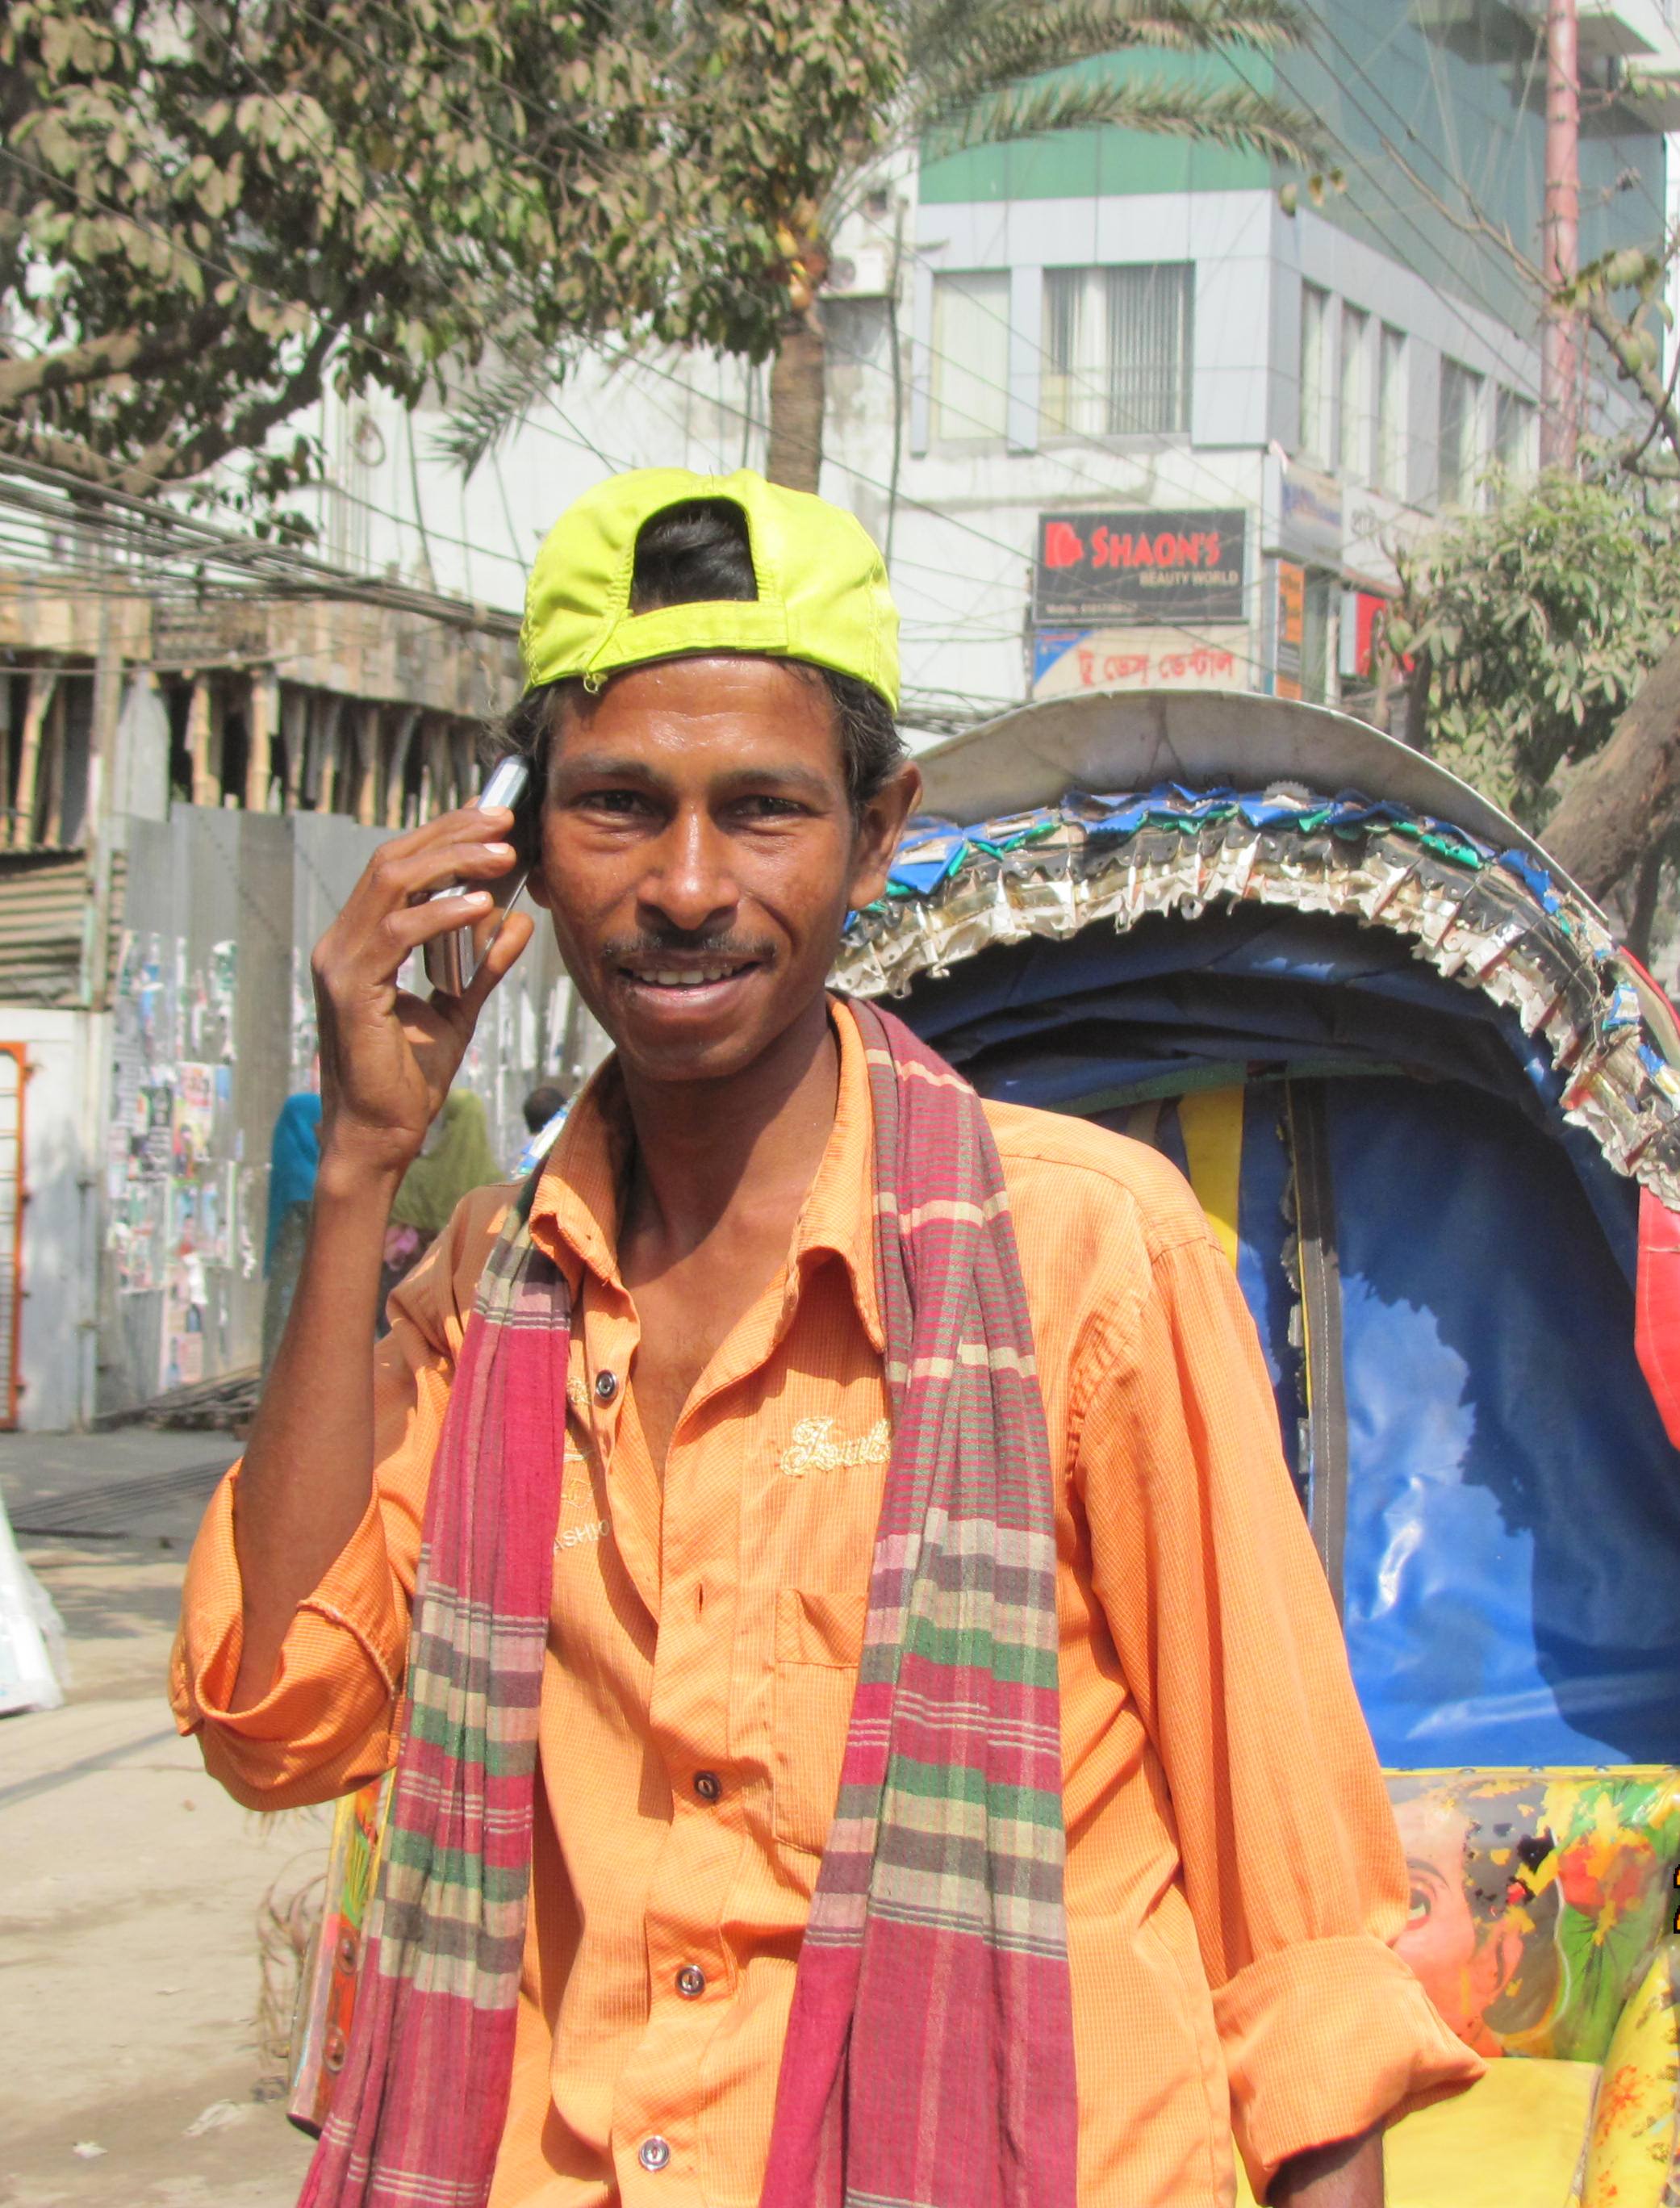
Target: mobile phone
{"x": 452, "y": 959}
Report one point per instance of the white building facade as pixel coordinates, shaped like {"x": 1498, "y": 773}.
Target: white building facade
{"x": 1123, "y": 412}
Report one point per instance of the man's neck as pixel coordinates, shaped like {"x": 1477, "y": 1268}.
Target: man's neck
{"x": 737, "y": 1155}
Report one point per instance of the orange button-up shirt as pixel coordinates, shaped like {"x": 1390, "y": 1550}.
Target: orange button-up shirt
{"x": 1233, "y": 1876}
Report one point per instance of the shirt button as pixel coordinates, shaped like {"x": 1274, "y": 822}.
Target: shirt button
{"x": 606, "y": 1387}
{"x": 708, "y": 1785}
{"x": 654, "y": 2153}
{"x": 691, "y": 1982}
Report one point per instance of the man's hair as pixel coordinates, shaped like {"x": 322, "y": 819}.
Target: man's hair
{"x": 696, "y": 553}
{"x": 542, "y": 1104}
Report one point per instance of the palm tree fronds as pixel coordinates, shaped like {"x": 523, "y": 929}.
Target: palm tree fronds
{"x": 1233, "y": 116}
{"x": 493, "y": 406}
{"x": 985, "y": 42}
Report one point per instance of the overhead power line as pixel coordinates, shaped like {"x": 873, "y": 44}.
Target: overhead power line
{"x": 210, "y": 553}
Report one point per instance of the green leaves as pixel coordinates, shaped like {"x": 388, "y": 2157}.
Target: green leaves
{"x": 291, "y": 193}
{"x": 1223, "y": 115}
{"x": 300, "y": 191}
{"x": 1531, "y": 627}
{"x": 982, "y": 72}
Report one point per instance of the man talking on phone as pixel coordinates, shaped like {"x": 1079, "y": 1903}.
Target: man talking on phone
{"x": 868, "y": 1724}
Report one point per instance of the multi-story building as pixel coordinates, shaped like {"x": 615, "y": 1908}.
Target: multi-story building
{"x": 1167, "y": 423}
{"x": 1125, "y": 409}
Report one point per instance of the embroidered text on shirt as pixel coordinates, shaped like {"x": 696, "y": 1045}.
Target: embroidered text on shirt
{"x": 812, "y": 1449}
{"x": 596, "y": 1530}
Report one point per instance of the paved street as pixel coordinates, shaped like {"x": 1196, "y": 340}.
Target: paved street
{"x": 129, "y": 1910}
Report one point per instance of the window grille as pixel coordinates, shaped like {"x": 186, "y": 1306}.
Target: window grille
{"x": 1118, "y": 350}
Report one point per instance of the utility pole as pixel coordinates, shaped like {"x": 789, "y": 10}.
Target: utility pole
{"x": 1560, "y": 231}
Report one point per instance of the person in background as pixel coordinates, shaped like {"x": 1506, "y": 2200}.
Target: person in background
{"x": 294, "y": 1155}
{"x": 545, "y": 1110}
{"x": 460, "y": 1159}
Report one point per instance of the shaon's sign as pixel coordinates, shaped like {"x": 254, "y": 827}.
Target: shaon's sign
{"x": 1163, "y": 565}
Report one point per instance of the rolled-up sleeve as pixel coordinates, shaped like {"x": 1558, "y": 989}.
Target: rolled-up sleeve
{"x": 1229, "y": 1642}
{"x": 327, "y": 1723}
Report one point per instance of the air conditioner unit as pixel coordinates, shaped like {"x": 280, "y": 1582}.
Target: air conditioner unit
{"x": 863, "y": 273}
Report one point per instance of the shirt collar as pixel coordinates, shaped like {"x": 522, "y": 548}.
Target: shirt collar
{"x": 575, "y": 1215}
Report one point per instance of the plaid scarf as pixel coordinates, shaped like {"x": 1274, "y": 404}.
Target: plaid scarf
{"x": 929, "y": 2055}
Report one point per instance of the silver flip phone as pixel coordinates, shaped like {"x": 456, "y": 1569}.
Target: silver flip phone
{"x": 451, "y": 960}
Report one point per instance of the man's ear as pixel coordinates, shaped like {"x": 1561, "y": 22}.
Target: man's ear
{"x": 536, "y": 887}
{"x": 880, "y": 826}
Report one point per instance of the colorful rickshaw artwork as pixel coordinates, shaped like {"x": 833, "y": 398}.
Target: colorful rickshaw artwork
{"x": 1432, "y": 1109}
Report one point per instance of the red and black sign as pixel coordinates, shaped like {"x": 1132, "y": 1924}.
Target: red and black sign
{"x": 1166, "y": 566}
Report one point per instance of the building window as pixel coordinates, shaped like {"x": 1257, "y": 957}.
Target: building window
{"x": 1117, "y": 351}
{"x": 1353, "y": 394}
{"x": 1460, "y": 438}
{"x": 1517, "y": 425}
{"x": 1315, "y": 381}
{"x": 971, "y": 379}
{"x": 1391, "y": 412}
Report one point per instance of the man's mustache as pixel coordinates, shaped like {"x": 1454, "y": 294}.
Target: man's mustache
{"x": 691, "y": 943}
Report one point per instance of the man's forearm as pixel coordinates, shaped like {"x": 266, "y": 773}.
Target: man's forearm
{"x": 1348, "y": 2174}
{"x": 308, "y": 1471}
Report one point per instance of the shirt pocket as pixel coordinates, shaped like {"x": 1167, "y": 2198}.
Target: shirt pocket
{"x": 819, "y": 1644}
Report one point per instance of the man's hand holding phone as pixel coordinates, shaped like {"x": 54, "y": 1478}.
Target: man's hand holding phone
{"x": 387, "y": 1060}
{"x": 388, "y": 1057}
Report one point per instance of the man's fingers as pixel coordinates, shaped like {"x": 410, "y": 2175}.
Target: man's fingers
{"x": 410, "y": 924}
{"x": 467, "y": 843}
{"x": 394, "y": 881}
{"x": 467, "y": 824}
{"x": 511, "y": 939}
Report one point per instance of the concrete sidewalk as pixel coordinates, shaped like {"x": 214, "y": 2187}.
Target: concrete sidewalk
{"x": 131, "y": 1884}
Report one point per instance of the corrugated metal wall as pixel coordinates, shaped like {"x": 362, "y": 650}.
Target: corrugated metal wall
{"x": 43, "y": 919}
{"x": 213, "y": 1026}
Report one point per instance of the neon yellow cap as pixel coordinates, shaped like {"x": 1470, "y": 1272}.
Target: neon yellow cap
{"x": 823, "y": 593}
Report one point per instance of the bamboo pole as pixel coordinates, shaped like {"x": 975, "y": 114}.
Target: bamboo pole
{"x": 331, "y": 708}
{"x": 367, "y": 752}
{"x": 262, "y": 718}
{"x": 43, "y": 682}
{"x": 435, "y": 778}
{"x": 396, "y": 779}
{"x": 463, "y": 745}
{"x": 52, "y": 763}
{"x": 295, "y": 724}
{"x": 200, "y": 738}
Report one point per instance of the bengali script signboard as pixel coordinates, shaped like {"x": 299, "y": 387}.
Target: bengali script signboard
{"x": 1164, "y": 565}
{"x": 1067, "y": 662}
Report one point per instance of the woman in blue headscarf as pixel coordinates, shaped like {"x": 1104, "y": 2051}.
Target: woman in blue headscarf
{"x": 294, "y": 1159}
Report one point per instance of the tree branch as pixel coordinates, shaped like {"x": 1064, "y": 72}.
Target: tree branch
{"x": 162, "y": 464}
{"x": 66, "y": 456}
{"x": 96, "y": 360}
{"x": 1614, "y": 331}
{"x": 1626, "y": 799}
{"x": 1632, "y": 365}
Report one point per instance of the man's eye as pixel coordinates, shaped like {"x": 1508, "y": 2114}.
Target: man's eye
{"x": 615, "y": 801}
{"x": 766, "y": 807}
{"x": 1418, "y": 1907}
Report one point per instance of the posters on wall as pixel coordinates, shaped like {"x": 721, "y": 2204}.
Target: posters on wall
{"x": 172, "y": 1177}
{"x": 137, "y": 1234}
{"x": 194, "y": 1116}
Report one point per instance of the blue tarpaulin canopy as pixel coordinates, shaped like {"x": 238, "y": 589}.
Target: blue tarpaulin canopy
{"x": 1488, "y": 1080}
